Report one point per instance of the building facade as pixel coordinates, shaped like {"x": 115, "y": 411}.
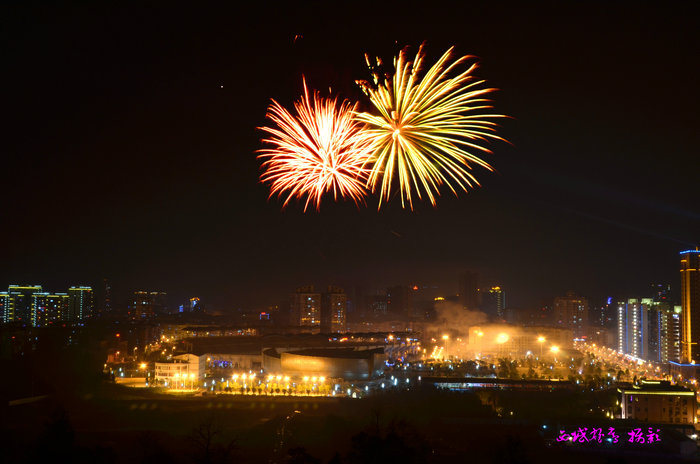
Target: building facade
{"x": 571, "y": 312}
{"x": 690, "y": 306}
{"x": 148, "y": 304}
{"x": 658, "y": 402}
{"x": 185, "y": 370}
{"x": 50, "y": 309}
{"x": 306, "y": 308}
{"x": 334, "y": 310}
{"x": 648, "y": 330}
{"x": 80, "y": 303}
{"x": 30, "y": 305}
{"x": 493, "y": 301}
{"x": 469, "y": 290}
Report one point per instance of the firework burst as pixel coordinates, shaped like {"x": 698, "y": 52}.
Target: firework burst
{"x": 315, "y": 151}
{"x": 428, "y": 127}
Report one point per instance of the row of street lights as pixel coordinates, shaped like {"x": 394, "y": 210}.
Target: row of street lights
{"x": 184, "y": 377}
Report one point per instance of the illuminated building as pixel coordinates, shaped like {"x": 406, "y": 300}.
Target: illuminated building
{"x": 80, "y": 303}
{"x": 20, "y": 305}
{"x": 636, "y": 326}
{"x": 345, "y": 363}
{"x": 4, "y": 307}
{"x": 493, "y": 301}
{"x": 148, "y": 304}
{"x": 185, "y": 370}
{"x": 672, "y": 347}
{"x": 648, "y": 330}
{"x": 658, "y": 402}
{"x": 606, "y": 314}
{"x": 30, "y": 305}
{"x": 306, "y": 307}
{"x": 690, "y": 304}
{"x": 334, "y": 310}
{"x": 571, "y": 312}
{"x": 469, "y": 290}
{"x": 50, "y": 308}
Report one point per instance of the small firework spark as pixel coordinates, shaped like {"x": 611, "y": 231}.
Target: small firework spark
{"x": 428, "y": 127}
{"x": 315, "y": 151}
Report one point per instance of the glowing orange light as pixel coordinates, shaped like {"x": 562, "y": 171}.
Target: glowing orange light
{"x": 314, "y": 152}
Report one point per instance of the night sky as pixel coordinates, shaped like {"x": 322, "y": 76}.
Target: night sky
{"x": 125, "y": 158}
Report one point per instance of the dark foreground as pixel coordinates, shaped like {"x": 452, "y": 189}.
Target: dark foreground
{"x": 120, "y": 425}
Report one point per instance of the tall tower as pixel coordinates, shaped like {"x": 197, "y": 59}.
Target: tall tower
{"x": 107, "y": 301}
{"x": 690, "y": 304}
{"x": 493, "y": 301}
{"x": 469, "y": 290}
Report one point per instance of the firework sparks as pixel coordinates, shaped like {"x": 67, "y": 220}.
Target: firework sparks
{"x": 315, "y": 151}
{"x": 428, "y": 128}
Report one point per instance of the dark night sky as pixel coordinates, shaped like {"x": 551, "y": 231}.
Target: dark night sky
{"x": 124, "y": 157}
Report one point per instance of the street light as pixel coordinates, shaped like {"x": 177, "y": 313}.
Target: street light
{"x": 541, "y": 340}
{"x": 555, "y": 350}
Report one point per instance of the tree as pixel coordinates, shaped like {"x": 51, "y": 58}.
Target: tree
{"x": 209, "y": 444}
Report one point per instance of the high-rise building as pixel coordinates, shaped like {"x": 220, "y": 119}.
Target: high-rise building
{"x": 661, "y": 292}
{"x": 469, "y": 290}
{"x": 148, "y": 304}
{"x": 648, "y": 330}
{"x": 690, "y": 304}
{"x": 334, "y": 310}
{"x": 493, "y": 301}
{"x": 30, "y": 305}
{"x": 51, "y": 308}
{"x": 378, "y": 305}
{"x": 21, "y": 303}
{"x": 399, "y": 301}
{"x": 80, "y": 303}
{"x": 107, "y": 299}
{"x": 306, "y": 307}
{"x": 604, "y": 315}
{"x": 4, "y": 307}
{"x": 671, "y": 335}
{"x": 571, "y": 312}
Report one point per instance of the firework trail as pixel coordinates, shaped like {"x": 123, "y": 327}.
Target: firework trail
{"x": 315, "y": 151}
{"x": 428, "y": 127}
